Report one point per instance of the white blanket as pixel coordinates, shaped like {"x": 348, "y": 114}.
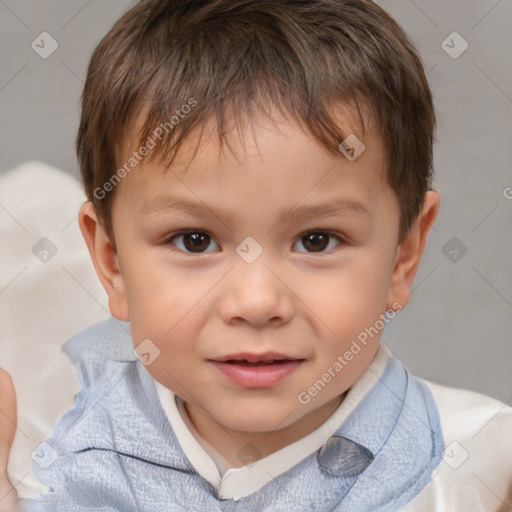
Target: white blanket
{"x": 45, "y": 298}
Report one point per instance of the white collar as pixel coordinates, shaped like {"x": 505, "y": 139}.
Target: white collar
{"x": 236, "y": 483}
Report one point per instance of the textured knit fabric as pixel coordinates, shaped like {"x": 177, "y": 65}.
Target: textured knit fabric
{"x": 116, "y": 450}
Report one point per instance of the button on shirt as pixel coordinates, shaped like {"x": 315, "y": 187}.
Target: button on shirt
{"x": 236, "y": 483}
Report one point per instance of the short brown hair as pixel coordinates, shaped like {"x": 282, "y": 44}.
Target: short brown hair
{"x": 236, "y": 58}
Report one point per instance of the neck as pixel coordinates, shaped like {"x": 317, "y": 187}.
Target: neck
{"x": 228, "y": 442}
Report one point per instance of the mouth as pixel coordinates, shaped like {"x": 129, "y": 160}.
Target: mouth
{"x": 266, "y": 358}
{"x": 268, "y": 362}
{"x": 256, "y": 371}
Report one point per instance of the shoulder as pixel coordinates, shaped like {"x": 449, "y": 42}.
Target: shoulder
{"x": 461, "y": 399}
{"x": 475, "y": 474}
{"x": 101, "y": 354}
{"x": 471, "y": 416}
{"x": 109, "y": 374}
{"x": 109, "y": 339}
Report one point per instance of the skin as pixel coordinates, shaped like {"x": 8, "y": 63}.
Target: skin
{"x": 200, "y": 305}
{"x": 8, "y": 421}
{"x": 304, "y": 302}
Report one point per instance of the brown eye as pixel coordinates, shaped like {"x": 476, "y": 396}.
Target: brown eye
{"x": 196, "y": 241}
{"x": 318, "y": 241}
{"x": 315, "y": 241}
{"x": 192, "y": 241}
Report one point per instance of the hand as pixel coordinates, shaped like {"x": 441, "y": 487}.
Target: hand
{"x": 8, "y": 420}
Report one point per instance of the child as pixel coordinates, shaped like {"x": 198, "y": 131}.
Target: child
{"x": 259, "y": 184}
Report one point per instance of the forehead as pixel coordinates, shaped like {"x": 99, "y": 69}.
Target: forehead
{"x": 236, "y": 124}
{"x": 270, "y": 159}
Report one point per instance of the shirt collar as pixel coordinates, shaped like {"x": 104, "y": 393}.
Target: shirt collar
{"x": 353, "y": 435}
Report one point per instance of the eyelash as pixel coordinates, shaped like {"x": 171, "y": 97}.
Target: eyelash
{"x": 169, "y": 241}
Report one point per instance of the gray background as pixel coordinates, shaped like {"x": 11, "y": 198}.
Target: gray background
{"x": 456, "y": 330}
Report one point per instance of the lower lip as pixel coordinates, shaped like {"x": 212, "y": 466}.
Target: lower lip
{"x": 257, "y": 376}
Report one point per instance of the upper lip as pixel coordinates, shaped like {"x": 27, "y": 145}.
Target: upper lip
{"x": 255, "y": 358}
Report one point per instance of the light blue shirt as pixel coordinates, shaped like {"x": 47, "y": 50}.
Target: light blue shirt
{"x": 239, "y": 482}
{"x": 116, "y": 449}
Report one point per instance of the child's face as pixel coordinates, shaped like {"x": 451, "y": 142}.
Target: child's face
{"x": 200, "y": 299}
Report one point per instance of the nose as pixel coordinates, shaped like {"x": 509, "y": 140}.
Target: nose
{"x": 256, "y": 293}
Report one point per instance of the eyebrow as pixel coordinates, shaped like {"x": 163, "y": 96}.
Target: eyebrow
{"x": 344, "y": 206}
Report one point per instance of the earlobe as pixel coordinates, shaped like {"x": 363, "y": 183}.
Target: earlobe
{"x": 410, "y": 251}
{"x": 105, "y": 260}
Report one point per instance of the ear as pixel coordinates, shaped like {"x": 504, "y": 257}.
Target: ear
{"x": 410, "y": 251}
{"x": 105, "y": 261}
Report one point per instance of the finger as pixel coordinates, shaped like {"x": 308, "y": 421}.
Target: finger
{"x": 8, "y": 417}
{"x": 8, "y": 420}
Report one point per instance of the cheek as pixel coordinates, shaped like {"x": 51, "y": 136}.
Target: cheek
{"x": 153, "y": 288}
{"x": 174, "y": 327}
{"x": 357, "y": 290}
{"x": 349, "y": 304}
{"x": 158, "y": 305}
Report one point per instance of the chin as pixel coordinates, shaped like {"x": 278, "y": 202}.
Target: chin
{"x": 257, "y": 421}
{"x": 254, "y": 426}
